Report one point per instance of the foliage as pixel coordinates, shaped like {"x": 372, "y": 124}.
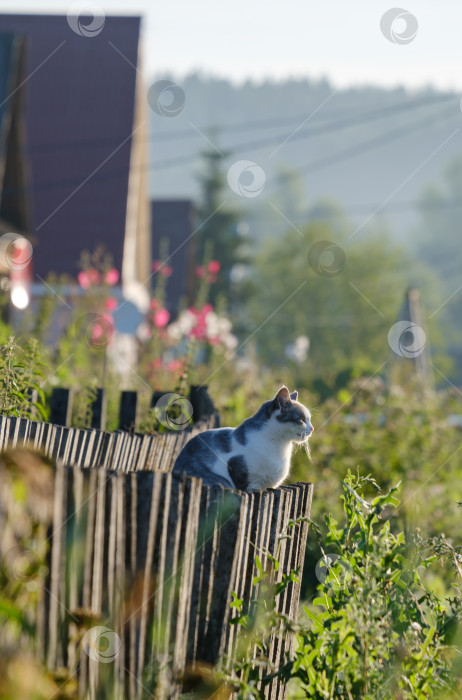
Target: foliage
{"x": 218, "y": 227}
{"x": 393, "y": 433}
{"x": 346, "y": 315}
{"x": 375, "y": 630}
{"x": 21, "y": 380}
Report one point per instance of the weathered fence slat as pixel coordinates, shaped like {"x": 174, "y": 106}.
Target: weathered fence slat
{"x": 61, "y": 406}
{"x": 154, "y": 556}
{"x": 127, "y": 411}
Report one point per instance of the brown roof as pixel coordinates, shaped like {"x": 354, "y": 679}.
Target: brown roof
{"x": 79, "y": 114}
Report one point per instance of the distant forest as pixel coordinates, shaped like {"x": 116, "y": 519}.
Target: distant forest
{"x": 353, "y": 146}
{"x": 367, "y": 158}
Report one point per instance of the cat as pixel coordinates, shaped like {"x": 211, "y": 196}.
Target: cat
{"x": 255, "y": 455}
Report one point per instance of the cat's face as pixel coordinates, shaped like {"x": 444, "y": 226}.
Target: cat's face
{"x": 294, "y": 418}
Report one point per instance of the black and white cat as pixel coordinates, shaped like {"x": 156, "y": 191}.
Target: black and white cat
{"x": 255, "y": 455}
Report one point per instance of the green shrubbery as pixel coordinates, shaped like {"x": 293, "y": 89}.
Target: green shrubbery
{"x": 374, "y": 629}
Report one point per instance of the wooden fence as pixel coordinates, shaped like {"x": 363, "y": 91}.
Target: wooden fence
{"x": 61, "y": 404}
{"x": 149, "y": 560}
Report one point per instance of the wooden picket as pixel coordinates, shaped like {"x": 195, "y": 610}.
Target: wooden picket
{"x": 154, "y": 557}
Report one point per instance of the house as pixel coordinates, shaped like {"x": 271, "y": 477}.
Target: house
{"x": 74, "y": 114}
{"x": 174, "y": 224}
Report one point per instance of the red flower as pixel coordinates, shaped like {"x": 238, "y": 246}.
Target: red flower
{"x": 214, "y": 267}
{"x": 112, "y": 277}
{"x": 111, "y": 304}
{"x": 175, "y": 365}
{"x": 162, "y": 268}
{"x": 84, "y": 280}
{"x": 161, "y": 318}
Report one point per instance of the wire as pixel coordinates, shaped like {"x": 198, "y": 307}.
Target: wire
{"x": 316, "y": 165}
{"x": 367, "y": 145}
{"x": 376, "y": 113}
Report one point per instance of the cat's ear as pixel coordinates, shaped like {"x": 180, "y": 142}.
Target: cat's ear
{"x": 294, "y": 396}
{"x": 282, "y": 398}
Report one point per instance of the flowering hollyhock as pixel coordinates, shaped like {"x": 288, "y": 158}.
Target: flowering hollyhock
{"x": 204, "y": 325}
{"x": 175, "y": 365}
{"x": 102, "y": 330}
{"x": 214, "y": 267}
{"x": 182, "y": 326}
{"x": 111, "y": 304}
{"x": 112, "y": 277}
{"x": 199, "y": 330}
{"x": 161, "y": 318}
{"x": 161, "y": 268}
{"x": 84, "y": 280}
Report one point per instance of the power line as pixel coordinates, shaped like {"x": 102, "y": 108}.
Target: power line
{"x": 367, "y": 145}
{"x": 377, "y": 113}
{"x": 332, "y": 159}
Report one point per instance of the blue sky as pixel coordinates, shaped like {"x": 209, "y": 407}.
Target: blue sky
{"x": 338, "y": 39}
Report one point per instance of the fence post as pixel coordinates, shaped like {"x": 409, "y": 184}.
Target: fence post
{"x": 127, "y": 412}
{"x": 61, "y": 406}
{"x": 98, "y": 410}
{"x": 201, "y": 403}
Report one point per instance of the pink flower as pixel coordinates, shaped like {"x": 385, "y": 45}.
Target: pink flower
{"x": 84, "y": 280}
{"x": 206, "y": 309}
{"x": 161, "y": 318}
{"x": 174, "y": 365}
{"x": 103, "y": 330}
{"x": 200, "y": 271}
{"x": 164, "y": 270}
{"x": 112, "y": 276}
{"x": 111, "y": 304}
{"x": 214, "y": 267}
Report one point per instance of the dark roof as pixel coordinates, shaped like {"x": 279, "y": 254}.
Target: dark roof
{"x": 14, "y": 207}
{"x": 79, "y": 108}
{"x": 174, "y": 221}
